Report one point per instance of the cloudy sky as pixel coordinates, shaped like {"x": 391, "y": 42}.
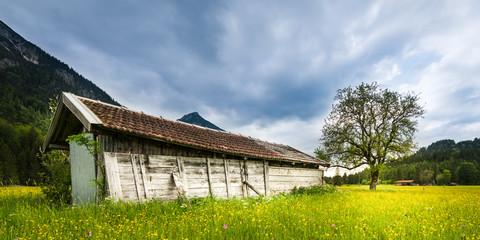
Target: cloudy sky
{"x": 267, "y": 69}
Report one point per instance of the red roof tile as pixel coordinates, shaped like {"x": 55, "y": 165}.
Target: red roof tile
{"x": 121, "y": 119}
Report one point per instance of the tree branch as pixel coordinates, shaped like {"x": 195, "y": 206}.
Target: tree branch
{"x": 349, "y": 168}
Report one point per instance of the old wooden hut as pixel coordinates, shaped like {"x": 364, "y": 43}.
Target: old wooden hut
{"x": 145, "y": 157}
{"x": 404, "y": 183}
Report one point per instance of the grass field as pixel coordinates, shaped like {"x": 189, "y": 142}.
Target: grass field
{"x": 353, "y": 212}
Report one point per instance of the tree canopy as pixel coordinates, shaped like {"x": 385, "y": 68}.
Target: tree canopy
{"x": 369, "y": 125}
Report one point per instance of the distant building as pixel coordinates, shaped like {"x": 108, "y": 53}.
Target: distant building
{"x": 404, "y": 183}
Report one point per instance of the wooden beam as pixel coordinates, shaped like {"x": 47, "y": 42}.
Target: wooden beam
{"x": 182, "y": 176}
{"x": 253, "y": 188}
{"x": 245, "y": 162}
{"x": 179, "y": 178}
{"x": 53, "y": 125}
{"x": 242, "y": 178}
{"x": 135, "y": 175}
{"x": 227, "y": 174}
{"x": 266, "y": 177}
{"x": 82, "y": 112}
{"x": 209, "y": 175}
{"x": 146, "y": 184}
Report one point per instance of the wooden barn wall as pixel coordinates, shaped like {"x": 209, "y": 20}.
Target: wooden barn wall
{"x": 284, "y": 179}
{"x": 139, "y": 168}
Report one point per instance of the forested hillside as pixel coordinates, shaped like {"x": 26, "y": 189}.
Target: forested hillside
{"x": 29, "y": 78}
{"x": 442, "y": 162}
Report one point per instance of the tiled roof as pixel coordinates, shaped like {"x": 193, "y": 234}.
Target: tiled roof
{"x": 404, "y": 181}
{"x": 121, "y": 119}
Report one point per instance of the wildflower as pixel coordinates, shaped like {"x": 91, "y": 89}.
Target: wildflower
{"x": 90, "y": 233}
{"x": 225, "y": 226}
{"x": 333, "y": 225}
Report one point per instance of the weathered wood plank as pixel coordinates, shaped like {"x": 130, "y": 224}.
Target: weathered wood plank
{"x": 266, "y": 177}
{"x": 160, "y": 170}
{"x": 183, "y": 187}
{"x": 217, "y": 171}
{"x": 202, "y": 192}
{"x": 113, "y": 177}
{"x": 196, "y": 171}
{"x": 226, "y": 163}
{"x": 162, "y": 161}
{"x": 154, "y": 176}
{"x": 162, "y": 182}
{"x": 209, "y": 177}
{"x": 279, "y": 171}
{"x": 166, "y": 189}
{"x": 254, "y": 178}
{"x": 252, "y": 187}
{"x": 194, "y": 161}
{"x": 165, "y": 196}
{"x": 123, "y": 159}
{"x": 197, "y": 183}
{"x": 291, "y": 185}
{"x": 246, "y": 173}
{"x": 242, "y": 178}
{"x": 136, "y": 178}
{"x": 293, "y": 178}
{"x": 146, "y": 184}
{"x": 129, "y": 187}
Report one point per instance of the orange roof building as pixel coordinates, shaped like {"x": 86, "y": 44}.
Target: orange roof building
{"x": 146, "y": 157}
{"x": 404, "y": 183}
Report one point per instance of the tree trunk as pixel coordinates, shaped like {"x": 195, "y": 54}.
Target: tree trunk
{"x": 373, "y": 183}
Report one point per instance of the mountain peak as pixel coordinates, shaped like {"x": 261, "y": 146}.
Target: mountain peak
{"x": 196, "y": 119}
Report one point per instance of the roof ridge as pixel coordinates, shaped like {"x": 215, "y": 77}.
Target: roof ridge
{"x": 96, "y": 100}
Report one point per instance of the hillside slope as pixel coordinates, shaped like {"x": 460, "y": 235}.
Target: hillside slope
{"x": 29, "y": 77}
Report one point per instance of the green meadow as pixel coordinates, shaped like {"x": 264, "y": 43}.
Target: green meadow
{"x": 351, "y": 212}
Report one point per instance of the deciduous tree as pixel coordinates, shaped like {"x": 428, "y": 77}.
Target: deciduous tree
{"x": 369, "y": 126}
{"x": 467, "y": 174}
